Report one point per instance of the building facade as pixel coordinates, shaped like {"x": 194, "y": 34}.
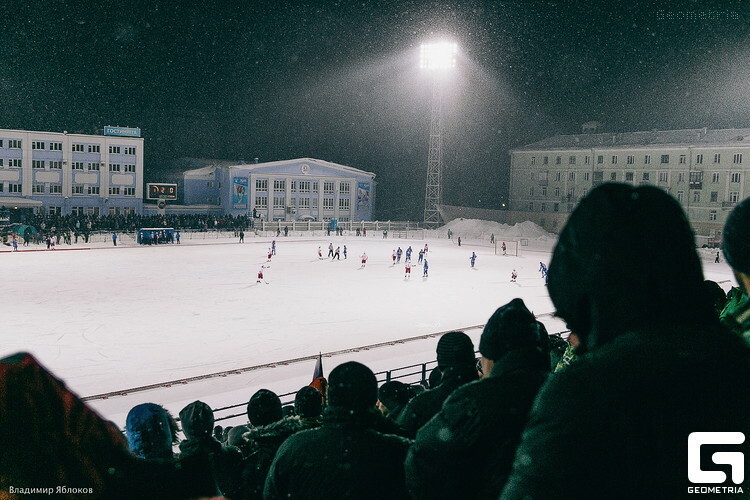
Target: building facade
{"x": 705, "y": 170}
{"x": 62, "y": 174}
{"x": 289, "y": 190}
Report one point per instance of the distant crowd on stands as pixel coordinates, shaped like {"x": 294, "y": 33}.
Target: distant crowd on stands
{"x": 656, "y": 353}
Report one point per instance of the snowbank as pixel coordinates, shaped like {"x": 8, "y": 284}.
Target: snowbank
{"x": 480, "y": 229}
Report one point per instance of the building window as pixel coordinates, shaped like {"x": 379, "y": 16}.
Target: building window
{"x": 14, "y": 143}
{"x": 681, "y": 177}
{"x": 556, "y": 207}
{"x": 735, "y": 177}
{"x": 55, "y": 165}
{"x": 545, "y": 160}
{"x": 533, "y": 160}
{"x": 544, "y": 190}
{"x": 630, "y": 159}
{"x": 261, "y": 201}
{"x": 37, "y": 144}
{"x": 95, "y": 148}
{"x": 93, "y": 189}
{"x": 304, "y": 202}
{"x": 531, "y": 206}
{"x": 261, "y": 185}
{"x": 558, "y": 160}
{"x": 613, "y": 176}
{"x": 699, "y": 159}
{"x": 114, "y": 167}
{"x": 629, "y": 176}
{"x": 55, "y": 189}
{"x": 315, "y": 186}
{"x": 304, "y": 186}
{"x": 55, "y": 146}
{"x": 683, "y": 159}
{"x": 557, "y": 192}
{"x": 77, "y": 189}
{"x": 647, "y": 159}
{"x": 327, "y": 203}
{"x": 571, "y": 193}
{"x": 531, "y": 191}
{"x": 715, "y": 177}
{"x": 114, "y": 190}
{"x": 664, "y": 159}
{"x": 128, "y": 191}
{"x": 599, "y": 159}
{"x": 328, "y": 187}
{"x": 572, "y": 176}
{"x": 646, "y": 176}
{"x": 696, "y": 196}
{"x": 130, "y": 150}
{"x": 614, "y": 159}
{"x": 558, "y": 176}
{"x": 93, "y": 166}
{"x": 15, "y": 162}
{"x": 114, "y": 150}
{"x": 37, "y": 163}
{"x": 15, "y": 188}
{"x": 737, "y": 158}
{"x": 712, "y": 215}
{"x": 130, "y": 168}
{"x": 734, "y": 196}
{"x": 543, "y": 207}
{"x": 663, "y": 177}
{"x": 37, "y": 188}
{"x": 1, "y": 163}
{"x": 343, "y": 203}
{"x": 586, "y": 176}
{"x": 77, "y": 148}
{"x": 587, "y": 160}
{"x": 571, "y": 160}
{"x": 292, "y": 186}
{"x": 279, "y": 185}
{"x": 717, "y": 157}
{"x": 314, "y": 203}
{"x": 680, "y": 196}
{"x": 278, "y": 202}
{"x": 344, "y": 188}
{"x": 714, "y": 196}
{"x": 77, "y": 165}
{"x": 92, "y": 211}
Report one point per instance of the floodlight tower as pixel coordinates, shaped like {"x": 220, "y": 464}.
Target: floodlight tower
{"x": 438, "y": 58}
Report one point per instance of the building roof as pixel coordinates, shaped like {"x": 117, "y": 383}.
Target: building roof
{"x": 701, "y": 137}
{"x": 252, "y": 166}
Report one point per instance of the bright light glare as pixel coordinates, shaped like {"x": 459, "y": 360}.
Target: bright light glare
{"x": 439, "y": 55}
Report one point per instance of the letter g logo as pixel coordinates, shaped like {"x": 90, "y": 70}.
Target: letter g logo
{"x": 735, "y": 459}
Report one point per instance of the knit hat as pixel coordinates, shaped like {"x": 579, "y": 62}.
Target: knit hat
{"x": 511, "y": 327}
{"x": 394, "y": 394}
{"x": 151, "y": 431}
{"x": 455, "y": 349}
{"x": 197, "y": 420}
{"x": 353, "y": 386}
{"x": 264, "y": 408}
{"x": 736, "y": 239}
{"x": 308, "y": 403}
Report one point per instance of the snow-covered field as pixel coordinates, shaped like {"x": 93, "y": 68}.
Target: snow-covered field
{"x": 108, "y": 319}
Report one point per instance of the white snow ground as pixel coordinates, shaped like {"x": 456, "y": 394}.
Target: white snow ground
{"x": 108, "y": 319}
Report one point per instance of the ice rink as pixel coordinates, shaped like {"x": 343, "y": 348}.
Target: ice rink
{"x": 107, "y": 319}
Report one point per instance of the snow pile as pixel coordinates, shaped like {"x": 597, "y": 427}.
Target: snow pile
{"x": 475, "y": 228}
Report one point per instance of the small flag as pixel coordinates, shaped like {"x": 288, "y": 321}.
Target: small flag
{"x": 319, "y": 381}
{"x": 318, "y": 372}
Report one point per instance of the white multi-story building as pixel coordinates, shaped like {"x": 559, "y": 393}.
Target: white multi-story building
{"x": 705, "y": 170}
{"x": 61, "y": 173}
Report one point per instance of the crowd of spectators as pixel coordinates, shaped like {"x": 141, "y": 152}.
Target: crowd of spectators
{"x": 655, "y": 354}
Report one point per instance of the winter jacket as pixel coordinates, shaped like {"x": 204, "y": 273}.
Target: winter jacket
{"x": 225, "y": 463}
{"x": 343, "y": 459}
{"x": 424, "y": 406}
{"x": 736, "y": 314}
{"x": 467, "y": 449}
{"x": 260, "y": 445}
{"x": 615, "y": 423}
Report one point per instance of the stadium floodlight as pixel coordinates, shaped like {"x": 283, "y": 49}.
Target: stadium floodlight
{"x": 438, "y": 55}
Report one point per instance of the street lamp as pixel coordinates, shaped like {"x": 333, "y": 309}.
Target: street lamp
{"x": 437, "y": 58}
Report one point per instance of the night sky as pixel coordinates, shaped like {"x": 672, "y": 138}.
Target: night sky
{"x": 339, "y": 81}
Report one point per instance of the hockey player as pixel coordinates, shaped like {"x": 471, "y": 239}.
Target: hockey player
{"x": 425, "y": 267}
{"x": 270, "y": 254}
{"x": 425, "y": 248}
{"x": 273, "y": 247}
{"x": 407, "y": 270}
{"x": 542, "y": 269}
{"x": 513, "y": 275}
{"x": 503, "y": 247}
{"x": 364, "y": 259}
{"x": 260, "y": 275}
{"x": 399, "y": 253}
{"x": 473, "y": 258}
{"x": 336, "y": 254}
{"x": 330, "y": 249}
{"x": 408, "y": 254}
{"x": 393, "y": 256}
{"x": 320, "y": 253}
{"x": 344, "y": 252}
{"x": 421, "y": 256}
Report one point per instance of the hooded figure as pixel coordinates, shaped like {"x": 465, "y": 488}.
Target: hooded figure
{"x": 467, "y": 449}
{"x": 457, "y": 362}
{"x": 151, "y": 431}
{"x": 345, "y": 457}
{"x": 656, "y": 365}
{"x": 392, "y": 398}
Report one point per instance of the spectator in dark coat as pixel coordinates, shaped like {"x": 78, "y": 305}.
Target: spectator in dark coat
{"x": 392, "y": 398}
{"x": 736, "y": 248}
{"x": 467, "y": 449}
{"x": 151, "y": 431}
{"x": 197, "y": 421}
{"x": 345, "y": 458}
{"x": 655, "y": 365}
{"x": 457, "y": 362}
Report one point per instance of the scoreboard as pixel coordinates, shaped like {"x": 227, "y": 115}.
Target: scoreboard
{"x": 161, "y": 191}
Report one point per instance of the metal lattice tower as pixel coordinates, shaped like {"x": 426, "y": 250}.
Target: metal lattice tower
{"x": 434, "y": 190}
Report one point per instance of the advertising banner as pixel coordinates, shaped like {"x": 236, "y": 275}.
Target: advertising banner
{"x": 363, "y": 194}
{"x": 239, "y": 192}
